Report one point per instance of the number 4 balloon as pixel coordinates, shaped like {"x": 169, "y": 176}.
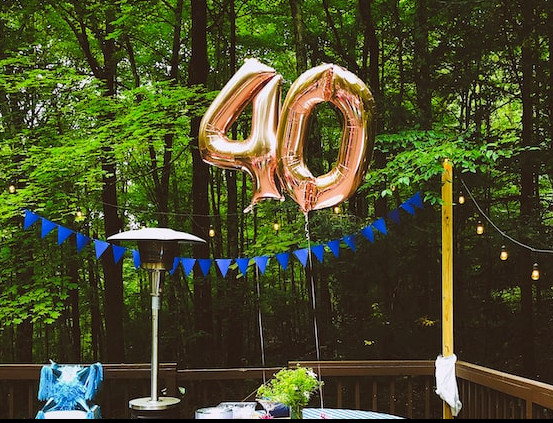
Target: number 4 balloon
{"x": 276, "y": 142}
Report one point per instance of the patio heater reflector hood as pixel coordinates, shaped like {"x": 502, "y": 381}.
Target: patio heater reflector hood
{"x": 158, "y": 248}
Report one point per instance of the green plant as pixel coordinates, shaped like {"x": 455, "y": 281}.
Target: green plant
{"x": 292, "y": 387}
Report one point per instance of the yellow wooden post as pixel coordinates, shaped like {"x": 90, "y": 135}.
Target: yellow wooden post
{"x": 447, "y": 268}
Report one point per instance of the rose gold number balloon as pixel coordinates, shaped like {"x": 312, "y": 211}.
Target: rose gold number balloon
{"x": 352, "y": 97}
{"x": 257, "y": 154}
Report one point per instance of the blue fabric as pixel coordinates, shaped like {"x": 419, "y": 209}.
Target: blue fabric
{"x": 69, "y": 388}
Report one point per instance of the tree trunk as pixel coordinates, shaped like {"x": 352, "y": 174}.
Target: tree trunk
{"x": 198, "y": 70}
{"x": 528, "y": 191}
{"x": 299, "y": 36}
{"x": 422, "y": 64}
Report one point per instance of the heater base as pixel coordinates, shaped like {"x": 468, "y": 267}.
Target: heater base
{"x": 163, "y": 408}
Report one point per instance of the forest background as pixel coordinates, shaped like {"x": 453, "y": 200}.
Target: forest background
{"x": 100, "y": 105}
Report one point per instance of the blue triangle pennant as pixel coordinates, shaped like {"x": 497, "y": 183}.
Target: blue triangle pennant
{"x": 30, "y": 218}
{"x": 243, "y": 265}
{"x": 394, "y": 216}
{"x": 136, "y": 258}
{"x": 283, "y": 259}
{"x": 205, "y": 265}
{"x": 319, "y": 251}
{"x": 100, "y": 247}
{"x": 334, "y": 246}
{"x": 188, "y": 264}
{"x": 118, "y": 252}
{"x": 380, "y": 225}
{"x": 223, "y": 265}
{"x": 82, "y": 241}
{"x": 176, "y": 263}
{"x": 47, "y": 227}
{"x": 350, "y": 242}
{"x": 63, "y": 234}
{"x": 407, "y": 207}
{"x": 302, "y": 255}
{"x": 416, "y": 200}
{"x": 368, "y": 232}
{"x": 261, "y": 263}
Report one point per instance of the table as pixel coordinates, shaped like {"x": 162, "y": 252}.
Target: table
{"x": 342, "y": 413}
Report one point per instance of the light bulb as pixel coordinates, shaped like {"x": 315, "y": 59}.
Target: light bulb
{"x": 12, "y": 189}
{"x": 276, "y": 226}
{"x": 535, "y": 272}
{"x": 479, "y": 228}
{"x": 461, "y": 199}
{"x": 79, "y": 214}
{"x": 337, "y": 209}
{"x": 211, "y": 232}
{"x": 503, "y": 255}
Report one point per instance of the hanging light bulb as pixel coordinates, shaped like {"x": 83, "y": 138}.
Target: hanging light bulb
{"x": 461, "y": 199}
{"x": 211, "y": 231}
{"x": 535, "y": 272}
{"x": 480, "y": 228}
{"x": 276, "y": 226}
{"x": 503, "y": 255}
{"x": 12, "y": 189}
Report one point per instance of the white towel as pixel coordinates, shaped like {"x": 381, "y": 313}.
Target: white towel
{"x": 446, "y": 384}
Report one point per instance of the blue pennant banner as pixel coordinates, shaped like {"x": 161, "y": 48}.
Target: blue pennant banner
{"x": 118, "y": 252}
{"x": 282, "y": 259}
{"x": 394, "y": 216}
{"x": 63, "y": 234}
{"x": 47, "y": 227}
{"x": 136, "y": 258}
{"x": 205, "y": 265}
{"x": 380, "y": 226}
{"x": 223, "y": 265}
{"x": 188, "y": 265}
{"x": 368, "y": 233}
{"x": 101, "y": 247}
{"x": 334, "y": 247}
{"x": 82, "y": 241}
{"x": 30, "y": 218}
{"x": 302, "y": 255}
{"x": 350, "y": 242}
{"x": 319, "y": 251}
{"x": 243, "y": 264}
{"x": 176, "y": 262}
{"x": 261, "y": 263}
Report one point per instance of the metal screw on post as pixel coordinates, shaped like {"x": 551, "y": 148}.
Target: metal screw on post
{"x": 158, "y": 248}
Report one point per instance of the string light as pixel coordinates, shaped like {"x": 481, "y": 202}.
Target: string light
{"x": 79, "y": 214}
{"x": 461, "y": 199}
{"x": 503, "y": 255}
{"x": 276, "y": 226}
{"x": 535, "y": 272}
{"x": 12, "y": 189}
{"x": 480, "y": 228}
{"x": 337, "y": 209}
{"x": 211, "y": 231}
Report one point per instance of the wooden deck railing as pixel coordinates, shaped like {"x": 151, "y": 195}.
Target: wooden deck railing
{"x": 403, "y": 388}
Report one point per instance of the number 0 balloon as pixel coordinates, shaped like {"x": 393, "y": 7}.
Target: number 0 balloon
{"x": 276, "y": 143}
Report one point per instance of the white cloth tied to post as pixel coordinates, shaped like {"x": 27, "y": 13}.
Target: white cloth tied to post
{"x": 446, "y": 383}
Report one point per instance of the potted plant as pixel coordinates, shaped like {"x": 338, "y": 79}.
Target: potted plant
{"x": 291, "y": 387}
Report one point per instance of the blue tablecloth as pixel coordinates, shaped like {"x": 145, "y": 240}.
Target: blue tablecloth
{"x": 340, "y": 413}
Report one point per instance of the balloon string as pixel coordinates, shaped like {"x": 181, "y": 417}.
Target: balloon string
{"x": 261, "y": 341}
{"x": 315, "y": 326}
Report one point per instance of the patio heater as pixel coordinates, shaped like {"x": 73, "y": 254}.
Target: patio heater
{"x": 158, "y": 248}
